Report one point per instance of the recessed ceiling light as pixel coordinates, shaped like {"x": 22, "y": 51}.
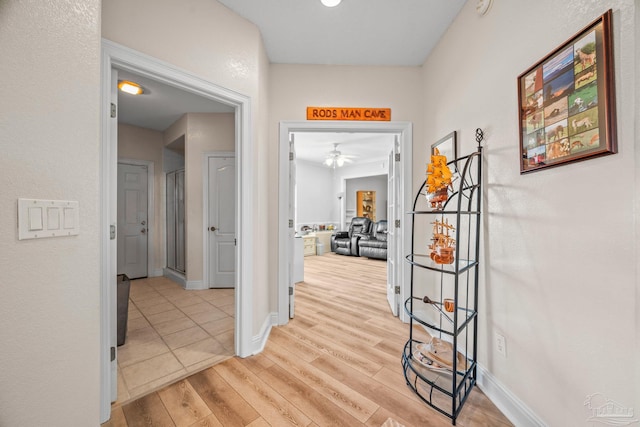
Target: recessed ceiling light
{"x": 330, "y": 3}
{"x": 130, "y": 87}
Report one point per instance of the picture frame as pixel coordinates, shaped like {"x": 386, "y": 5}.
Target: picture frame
{"x": 448, "y": 147}
{"x": 567, "y": 101}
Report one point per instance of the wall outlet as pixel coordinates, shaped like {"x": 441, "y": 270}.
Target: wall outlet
{"x": 501, "y": 344}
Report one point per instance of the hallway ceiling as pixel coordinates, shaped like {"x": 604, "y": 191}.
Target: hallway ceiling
{"x": 356, "y": 32}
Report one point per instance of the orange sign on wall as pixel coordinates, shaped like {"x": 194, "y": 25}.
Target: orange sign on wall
{"x": 344, "y": 113}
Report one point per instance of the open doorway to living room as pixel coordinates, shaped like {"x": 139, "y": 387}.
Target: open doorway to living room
{"x": 321, "y": 210}
{"x": 341, "y": 189}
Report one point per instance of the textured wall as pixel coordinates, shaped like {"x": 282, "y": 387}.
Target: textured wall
{"x": 559, "y": 275}
{"x": 50, "y": 141}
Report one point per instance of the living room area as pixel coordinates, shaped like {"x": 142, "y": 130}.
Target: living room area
{"x": 341, "y": 187}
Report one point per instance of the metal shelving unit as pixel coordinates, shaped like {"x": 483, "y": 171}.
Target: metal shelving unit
{"x": 446, "y": 388}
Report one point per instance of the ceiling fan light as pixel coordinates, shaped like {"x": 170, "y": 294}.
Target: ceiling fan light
{"x": 328, "y": 162}
{"x": 330, "y": 3}
{"x": 340, "y": 162}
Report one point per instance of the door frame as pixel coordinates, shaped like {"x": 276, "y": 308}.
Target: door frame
{"x": 117, "y": 57}
{"x": 205, "y": 212}
{"x": 151, "y": 220}
{"x": 403, "y": 129}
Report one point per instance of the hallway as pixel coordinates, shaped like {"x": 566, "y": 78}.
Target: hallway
{"x": 337, "y": 363}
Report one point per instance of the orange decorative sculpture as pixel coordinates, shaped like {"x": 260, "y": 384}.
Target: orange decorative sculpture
{"x": 443, "y": 246}
{"x": 438, "y": 180}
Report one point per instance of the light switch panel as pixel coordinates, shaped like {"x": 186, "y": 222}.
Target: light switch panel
{"x": 47, "y": 218}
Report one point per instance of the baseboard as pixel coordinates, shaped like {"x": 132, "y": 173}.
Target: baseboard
{"x": 507, "y": 402}
{"x": 174, "y": 275}
{"x": 195, "y": 285}
{"x": 259, "y": 341}
{"x": 157, "y": 273}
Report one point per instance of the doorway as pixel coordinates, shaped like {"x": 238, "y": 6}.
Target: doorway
{"x": 404, "y": 132}
{"x": 116, "y": 57}
{"x": 135, "y": 218}
{"x": 220, "y": 249}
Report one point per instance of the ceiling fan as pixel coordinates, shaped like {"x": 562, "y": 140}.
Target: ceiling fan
{"x": 335, "y": 158}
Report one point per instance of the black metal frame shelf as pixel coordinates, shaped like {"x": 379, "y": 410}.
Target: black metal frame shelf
{"x": 447, "y": 389}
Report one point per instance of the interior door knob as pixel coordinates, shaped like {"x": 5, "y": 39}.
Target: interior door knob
{"x": 144, "y": 230}
{"x": 213, "y": 229}
{"x": 143, "y": 223}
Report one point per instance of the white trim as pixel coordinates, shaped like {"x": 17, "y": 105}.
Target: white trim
{"x": 175, "y": 276}
{"x": 151, "y": 208}
{"x": 260, "y": 341}
{"x": 404, "y": 129}
{"x": 195, "y": 285}
{"x": 115, "y": 56}
{"x": 507, "y": 402}
{"x": 157, "y": 273}
{"x": 205, "y": 210}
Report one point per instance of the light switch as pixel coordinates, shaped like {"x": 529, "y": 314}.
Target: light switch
{"x": 47, "y": 218}
{"x": 53, "y": 218}
{"x": 35, "y": 219}
{"x": 69, "y": 218}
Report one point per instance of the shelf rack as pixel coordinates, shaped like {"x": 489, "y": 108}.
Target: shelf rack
{"x": 446, "y": 389}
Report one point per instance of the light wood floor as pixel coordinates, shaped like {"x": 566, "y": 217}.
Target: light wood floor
{"x": 336, "y": 364}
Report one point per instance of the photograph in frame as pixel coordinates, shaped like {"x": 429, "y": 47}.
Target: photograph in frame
{"x": 567, "y": 103}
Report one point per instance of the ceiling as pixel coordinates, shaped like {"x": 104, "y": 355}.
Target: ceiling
{"x": 361, "y": 147}
{"x": 356, "y": 32}
{"x": 161, "y": 105}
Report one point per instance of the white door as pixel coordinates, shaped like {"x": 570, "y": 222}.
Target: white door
{"x": 394, "y": 214}
{"x": 132, "y": 220}
{"x": 292, "y": 231}
{"x": 222, "y": 222}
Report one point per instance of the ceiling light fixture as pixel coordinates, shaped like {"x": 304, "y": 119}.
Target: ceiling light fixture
{"x": 330, "y": 3}
{"x": 130, "y": 87}
{"x": 335, "y": 158}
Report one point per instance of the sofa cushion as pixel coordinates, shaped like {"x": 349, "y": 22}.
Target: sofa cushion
{"x": 371, "y": 243}
{"x": 359, "y": 225}
{"x": 380, "y": 230}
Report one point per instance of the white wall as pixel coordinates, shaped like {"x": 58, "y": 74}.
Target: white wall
{"x": 560, "y": 259}
{"x": 50, "y": 141}
{"x": 208, "y": 40}
{"x": 314, "y": 194}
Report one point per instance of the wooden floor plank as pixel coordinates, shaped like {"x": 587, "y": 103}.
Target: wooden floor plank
{"x": 378, "y": 392}
{"x": 184, "y": 404}
{"x": 225, "y": 402}
{"x": 275, "y": 409}
{"x": 337, "y": 350}
{"x": 344, "y": 397}
{"x": 320, "y": 409}
{"x": 147, "y": 411}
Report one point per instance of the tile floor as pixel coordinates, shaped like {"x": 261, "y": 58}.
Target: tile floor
{"x": 172, "y": 333}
